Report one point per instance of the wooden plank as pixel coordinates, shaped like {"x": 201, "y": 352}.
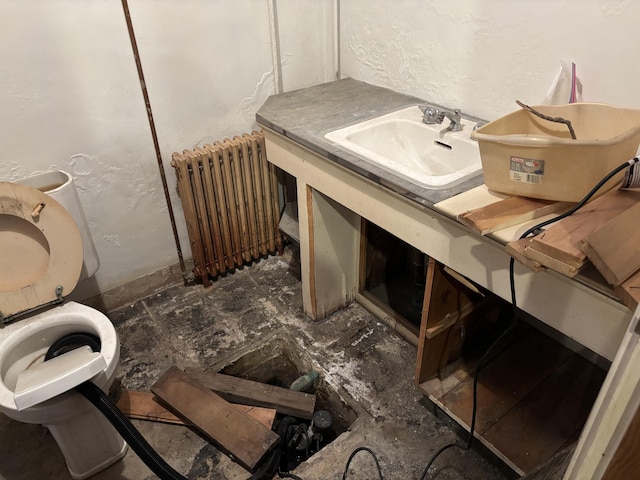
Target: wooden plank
{"x": 428, "y": 350}
{"x": 477, "y": 197}
{"x": 536, "y": 256}
{"x": 248, "y": 392}
{"x": 562, "y": 239}
{"x": 453, "y": 375}
{"x": 143, "y": 406}
{"x": 629, "y": 292}
{"x": 507, "y": 380}
{"x": 449, "y": 320}
{"x": 550, "y": 417}
{"x": 444, "y": 324}
{"x": 517, "y": 248}
{"x": 508, "y": 212}
{"x": 613, "y": 248}
{"x": 243, "y": 437}
{"x": 443, "y": 295}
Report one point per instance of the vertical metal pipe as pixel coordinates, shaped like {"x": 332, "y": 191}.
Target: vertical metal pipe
{"x": 336, "y": 39}
{"x": 275, "y": 46}
{"x": 147, "y": 103}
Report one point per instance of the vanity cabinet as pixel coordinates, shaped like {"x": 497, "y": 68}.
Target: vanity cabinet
{"x": 334, "y": 201}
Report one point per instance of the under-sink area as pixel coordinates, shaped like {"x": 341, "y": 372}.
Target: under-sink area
{"x": 429, "y": 155}
{"x": 372, "y": 185}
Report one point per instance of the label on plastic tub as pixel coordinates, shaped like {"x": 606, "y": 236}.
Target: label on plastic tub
{"x": 631, "y": 177}
{"x": 526, "y": 170}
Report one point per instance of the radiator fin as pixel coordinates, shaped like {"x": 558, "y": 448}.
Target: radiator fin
{"x": 229, "y": 194}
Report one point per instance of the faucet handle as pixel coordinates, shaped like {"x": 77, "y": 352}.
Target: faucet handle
{"x": 431, "y": 114}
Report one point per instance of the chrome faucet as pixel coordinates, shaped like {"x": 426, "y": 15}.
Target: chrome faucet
{"x": 432, "y": 115}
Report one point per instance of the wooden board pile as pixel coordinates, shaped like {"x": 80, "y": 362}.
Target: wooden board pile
{"x": 605, "y": 232}
{"x": 202, "y": 400}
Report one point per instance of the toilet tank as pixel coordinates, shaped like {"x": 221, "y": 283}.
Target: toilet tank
{"x": 59, "y": 185}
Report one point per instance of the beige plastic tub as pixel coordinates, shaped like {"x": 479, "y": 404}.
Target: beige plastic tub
{"x": 525, "y": 155}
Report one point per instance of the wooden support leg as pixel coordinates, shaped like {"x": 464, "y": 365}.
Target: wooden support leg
{"x": 444, "y": 304}
{"x": 329, "y": 252}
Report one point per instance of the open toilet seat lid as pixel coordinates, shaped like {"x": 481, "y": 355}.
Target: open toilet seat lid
{"x": 40, "y": 249}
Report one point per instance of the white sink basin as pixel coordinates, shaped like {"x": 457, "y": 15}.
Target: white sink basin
{"x": 429, "y": 156}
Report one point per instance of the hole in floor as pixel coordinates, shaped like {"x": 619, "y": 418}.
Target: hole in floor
{"x": 279, "y": 362}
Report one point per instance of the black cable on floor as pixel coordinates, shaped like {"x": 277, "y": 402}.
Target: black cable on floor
{"x": 353, "y": 454}
{"x": 288, "y": 475}
{"x": 514, "y": 322}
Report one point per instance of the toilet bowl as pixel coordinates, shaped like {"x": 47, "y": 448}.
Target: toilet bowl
{"x": 41, "y": 259}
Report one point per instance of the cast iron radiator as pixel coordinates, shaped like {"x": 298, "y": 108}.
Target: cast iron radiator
{"x": 229, "y": 195}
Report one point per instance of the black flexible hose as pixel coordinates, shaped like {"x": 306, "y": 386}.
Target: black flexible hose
{"x": 102, "y": 402}
{"x": 125, "y": 428}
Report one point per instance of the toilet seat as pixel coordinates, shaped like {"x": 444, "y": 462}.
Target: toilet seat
{"x": 40, "y": 250}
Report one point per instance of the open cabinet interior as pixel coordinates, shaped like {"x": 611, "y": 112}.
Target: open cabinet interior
{"x": 288, "y": 200}
{"x": 392, "y": 277}
{"x": 535, "y": 392}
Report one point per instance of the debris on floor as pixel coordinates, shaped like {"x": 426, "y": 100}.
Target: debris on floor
{"x": 207, "y": 329}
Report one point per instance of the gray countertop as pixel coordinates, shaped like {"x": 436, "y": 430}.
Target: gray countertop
{"x": 306, "y": 115}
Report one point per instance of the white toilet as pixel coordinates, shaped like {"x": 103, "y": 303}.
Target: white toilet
{"x": 42, "y": 236}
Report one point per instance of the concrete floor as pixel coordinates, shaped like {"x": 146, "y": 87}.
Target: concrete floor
{"x": 368, "y": 366}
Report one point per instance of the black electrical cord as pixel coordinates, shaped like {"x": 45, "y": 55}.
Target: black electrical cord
{"x": 288, "y": 475}
{"x": 514, "y": 322}
{"x": 353, "y": 454}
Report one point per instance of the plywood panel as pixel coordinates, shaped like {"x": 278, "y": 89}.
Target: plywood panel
{"x": 550, "y": 417}
{"x": 506, "y": 381}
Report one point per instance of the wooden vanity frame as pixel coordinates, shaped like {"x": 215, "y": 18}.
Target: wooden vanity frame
{"x": 332, "y": 200}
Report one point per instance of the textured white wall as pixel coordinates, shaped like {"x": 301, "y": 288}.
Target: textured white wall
{"x": 71, "y": 100}
{"x": 482, "y": 55}
{"x": 70, "y": 95}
